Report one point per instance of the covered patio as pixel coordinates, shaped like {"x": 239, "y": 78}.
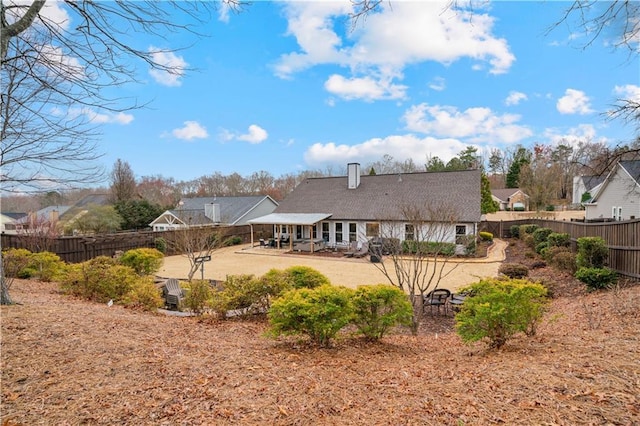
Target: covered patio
{"x": 298, "y": 230}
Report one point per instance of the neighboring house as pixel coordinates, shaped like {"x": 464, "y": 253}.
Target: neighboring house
{"x": 334, "y": 211}
{"x": 618, "y": 198}
{"x": 211, "y": 211}
{"x": 8, "y": 222}
{"x": 41, "y": 220}
{"x": 510, "y": 199}
{"x": 583, "y": 185}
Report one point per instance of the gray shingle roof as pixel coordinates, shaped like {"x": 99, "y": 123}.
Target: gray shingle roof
{"x": 383, "y": 197}
{"x": 633, "y": 168}
{"x": 231, "y": 208}
{"x": 505, "y": 193}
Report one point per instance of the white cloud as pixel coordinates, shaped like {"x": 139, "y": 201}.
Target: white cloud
{"x": 175, "y": 67}
{"x": 515, "y": 98}
{"x": 403, "y": 147}
{"x": 102, "y": 118}
{"x": 401, "y": 34}
{"x": 255, "y": 135}
{"x": 366, "y": 88}
{"x": 190, "y": 130}
{"x": 55, "y": 15}
{"x": 474, "y": 124}
{"x": 574, "y": 102}
{"x": 629, "y": 92}
{"x": 438, "y": 84}
{"x": 581, "y": 133}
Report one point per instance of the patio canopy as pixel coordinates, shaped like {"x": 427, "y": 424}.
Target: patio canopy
{"x": 290, "y": 219}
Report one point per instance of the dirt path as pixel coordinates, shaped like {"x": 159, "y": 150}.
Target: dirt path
{"x": 348, "y": 272}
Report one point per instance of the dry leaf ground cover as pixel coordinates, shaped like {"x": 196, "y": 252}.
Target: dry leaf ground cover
{"x": 67, "y": 361}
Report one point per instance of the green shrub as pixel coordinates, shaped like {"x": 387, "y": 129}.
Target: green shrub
{"x": 528, "y": 240}
{"x": 161, "y": 245}
{"x": 145, "y": 261}
{"x": 528, "y": 229}
{"x": 514, "y": 270}
{"x": 592, "y": 252}
{"x": 486, "y": 236}
{"x": 100, "y": 280}
{"x": 540, "y": 247}
{"x": 304, "y": 276}
{"x": 597, "y": 278}
{"x": 514, "y": 231}
{"x": 276, "y": 282}
{"x": 428, "y": 247}
{"x": 565, "y": 261}
{"x": 233, "y": 241}
{"x": 48, "y": 266}
{"x": 198, "y": 296}
{"x": 556, "y": 239}
{"x": 500, "y": 309}
{"x": 540, "y": 235}
{"x": 15, "y": 261}
{"x": 243, "y": 293}
{"x": 144, "y": 295}
{"x": 319, "y": 313}
{"x": 376, "y": 308}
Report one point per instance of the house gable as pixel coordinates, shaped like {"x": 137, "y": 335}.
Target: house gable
{"x": 618, "y": 197}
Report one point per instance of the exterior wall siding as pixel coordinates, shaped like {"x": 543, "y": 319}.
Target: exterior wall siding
{"x": 620, "y": 191}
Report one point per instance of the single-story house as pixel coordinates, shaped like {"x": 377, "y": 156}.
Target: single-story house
{"x": 212, "y": 211}
{"x": 41, "y": 220}
{"x": 585, "y": 185}
{"x": 618, "y": 198}
{"x": 8, "y": 221}
{"x": 336, "y": 211}
{"x": 510, "y": 199}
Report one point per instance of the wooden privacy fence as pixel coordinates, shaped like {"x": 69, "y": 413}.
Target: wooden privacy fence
{"x": 621, "y": 238}
{"x": 81, "y": 248}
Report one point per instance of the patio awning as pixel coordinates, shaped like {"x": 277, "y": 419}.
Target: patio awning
{"x": 290, "y": 219}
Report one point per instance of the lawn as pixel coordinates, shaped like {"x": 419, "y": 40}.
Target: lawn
{"x": 67, "y": 361}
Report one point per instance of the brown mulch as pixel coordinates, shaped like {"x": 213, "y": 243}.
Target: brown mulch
{"x": 67, "y": 361}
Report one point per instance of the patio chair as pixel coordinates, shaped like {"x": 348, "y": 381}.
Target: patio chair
{"x": 173, "y": 293}
{"x": 364, "y": 250}
{"x": 437, "y": 298}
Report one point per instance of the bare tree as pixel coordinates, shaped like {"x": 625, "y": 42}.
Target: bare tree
{"x": 123, "y": 182}
{"x": 195, "y": 242}
{"x": 54, "y": 71}
{"x": 418, "y": 265}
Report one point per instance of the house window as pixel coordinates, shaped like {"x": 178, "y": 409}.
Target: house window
{"x": 353, "y": 234}
{"x": 283, "y": 229}
{"x": 338, "y": 232}
{"x": 314, "y": 231}
{"x": 298, "y": 232}
{"x": 373, "y": 229}
{"x": 461, "y": 234}
{"x": 325, "y": 231}
{"x": 616, "y": 213}
{"x": 409, "y": 232}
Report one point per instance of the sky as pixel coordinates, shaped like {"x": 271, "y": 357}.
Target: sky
{"x": 291, "y": 86}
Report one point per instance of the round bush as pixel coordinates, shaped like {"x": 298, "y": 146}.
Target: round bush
{"x": 514, "y": 270}
{"x": 556, "y": 239}
{"x": 592, "y": 252}
{"x": 376, "y": 308}
{"x": 540, "y": 235}
{"x": 514, "y": 231}
{"x": 318, "y": 313}
{"x": 486, "y": 236}
{"x": 145, "y": 261}
{"x": 564, "y": 261}
{"x": 597, "y": 278}
{"x": 500, "y": 309}
{"x": 306, "y": 277}
{"x": 15, "y": 261}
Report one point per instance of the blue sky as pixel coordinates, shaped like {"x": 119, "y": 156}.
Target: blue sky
{"x": 289, "y": 86}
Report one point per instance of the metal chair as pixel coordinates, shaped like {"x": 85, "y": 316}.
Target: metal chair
{"x": 437, "y": 298}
